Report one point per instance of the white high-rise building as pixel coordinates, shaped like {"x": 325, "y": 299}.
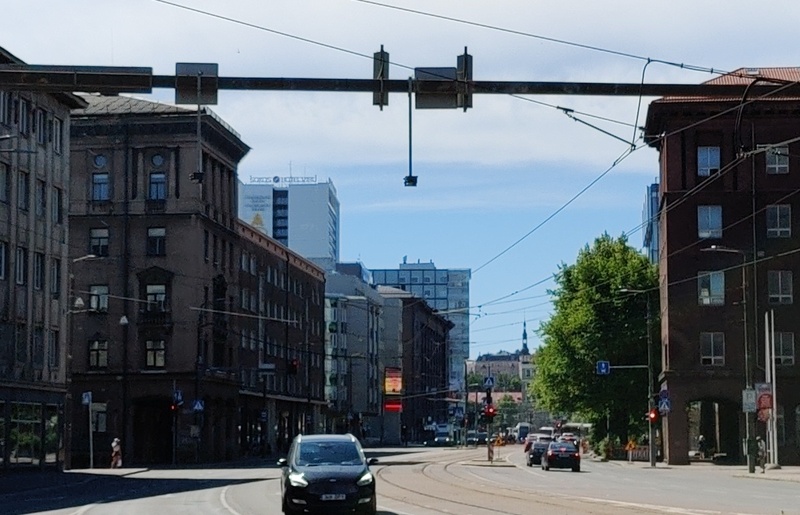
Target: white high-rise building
{"x": 297, "y": 211}
{"x": 445, "y": 290}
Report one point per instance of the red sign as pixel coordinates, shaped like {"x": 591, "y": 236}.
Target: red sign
{"x": 393, "y": 406}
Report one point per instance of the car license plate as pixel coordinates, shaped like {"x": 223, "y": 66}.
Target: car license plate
{"x": 563, "y": 455}
{"x": 333, "y": 497}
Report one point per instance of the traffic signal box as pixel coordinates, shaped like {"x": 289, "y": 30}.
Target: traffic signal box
{"x": 490, "y": 412}
{"x": 652, "y": 415}
{"x": 292, "y": 366}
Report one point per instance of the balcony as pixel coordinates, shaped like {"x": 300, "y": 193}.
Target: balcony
{"x": 155, "y": 317}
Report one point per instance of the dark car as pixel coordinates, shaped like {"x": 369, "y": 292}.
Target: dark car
{"x": 537, "y": 449}
{"x": 561, "y": 455}
{"x": 327, "y": 474}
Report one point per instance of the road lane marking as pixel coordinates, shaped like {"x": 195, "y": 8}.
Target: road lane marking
{"x": 224, "y": 502}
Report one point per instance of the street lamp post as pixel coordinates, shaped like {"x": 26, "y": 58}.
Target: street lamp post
{"x": 750, "y": 421}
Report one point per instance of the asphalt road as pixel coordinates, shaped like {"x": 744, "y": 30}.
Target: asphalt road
{"x": 425, "y": 482}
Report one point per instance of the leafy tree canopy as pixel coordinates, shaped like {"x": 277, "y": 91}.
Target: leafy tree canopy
{"x": 594, "y": 320}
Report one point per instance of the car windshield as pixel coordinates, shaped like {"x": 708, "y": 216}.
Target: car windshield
{"x": 328, "y": 453}
{"x": 563, "y": 447}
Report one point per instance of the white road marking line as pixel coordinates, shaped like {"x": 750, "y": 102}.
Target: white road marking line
{"x": 224, "y": 502}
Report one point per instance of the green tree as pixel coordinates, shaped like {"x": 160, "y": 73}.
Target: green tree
{"x": 593, "y": 321}
{"x": 508, "y": 409}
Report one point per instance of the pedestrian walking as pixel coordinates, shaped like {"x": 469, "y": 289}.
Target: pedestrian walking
{"x": 702, "y": 447}
{"x": 762, "y": 454}
{"x": 116, "y": 454}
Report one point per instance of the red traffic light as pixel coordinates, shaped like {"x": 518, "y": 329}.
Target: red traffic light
{"x": 490, "y": 411}
{"x": 652, "y": 415}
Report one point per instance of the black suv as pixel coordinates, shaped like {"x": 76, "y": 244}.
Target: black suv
{"x": 327, "y": 474}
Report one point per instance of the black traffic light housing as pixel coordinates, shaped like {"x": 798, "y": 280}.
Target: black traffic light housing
{"x": 293, "y": 366}
{"x": 652, "y": 415}
{"x": 490, "y": 412}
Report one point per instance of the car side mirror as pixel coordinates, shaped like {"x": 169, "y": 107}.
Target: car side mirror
{"x": 283, "y": 463}
{"x": 372, "y": 461}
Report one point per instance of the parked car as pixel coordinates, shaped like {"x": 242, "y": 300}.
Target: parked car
{"x": 535, "y": 452}
{"x": 327, "y": 473}
{"x": 561, "y": 455}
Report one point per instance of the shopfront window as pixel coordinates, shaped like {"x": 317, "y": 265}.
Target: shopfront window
{"x": 24, "y": 442}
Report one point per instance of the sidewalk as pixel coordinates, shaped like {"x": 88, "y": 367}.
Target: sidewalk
{"x": 783, "y": 473}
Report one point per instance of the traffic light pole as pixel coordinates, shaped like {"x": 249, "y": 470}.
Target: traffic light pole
{"x": 651, "y": 434}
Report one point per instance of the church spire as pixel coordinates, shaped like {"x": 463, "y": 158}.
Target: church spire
{"x": 525, "y": 338}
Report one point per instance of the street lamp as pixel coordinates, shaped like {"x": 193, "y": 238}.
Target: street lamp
{"x": 651, "y": 430}
{"x": 750, "y": 422}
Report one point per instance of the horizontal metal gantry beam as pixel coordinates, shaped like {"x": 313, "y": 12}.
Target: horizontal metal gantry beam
{"x": 114, "y": 80}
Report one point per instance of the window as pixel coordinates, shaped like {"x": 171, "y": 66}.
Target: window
{"x": 779, "y": 221}
{"x": 777, "y": 159}
{"x": 779, "y": 286}
{"x": 41, "y": 198}
{"x": 784, "y": 349}
{"x": 22, "y": 265}
{"x": 158, "y": 186}
{"x": 156, "y": 241}
{"x": 38, "y": 270}
{"x": 55, "y": 278}
{"x": 205, "y": 245}
{"x": 712, "y": 349}
{"x": 98, "y": 354}
{"x": 711, "y": 288}
{"x": 40, "y": 127}
{"x": 709, "y": 221}
{"x": 55, "y": 206}
{"x": 53, "y": 349}
{"x": 156, "y": 352}
{"x": 3, "y": 259}
{"x": 98, "y": 297}
{"x": 5, "y": 107}
{"x": 100, "y": 187}
{"x": 253, "y": 264}
{"x": 58, "y": 135}
{"x": 4, "y": 182}
{"x": 244, "y": 261}
{"x": 23, "y": 188}
{"x": 98, "y": 242}
{"x": 707, "y": 161}
{"x": 156, "y": 297}
{"x": 24, "y": 121}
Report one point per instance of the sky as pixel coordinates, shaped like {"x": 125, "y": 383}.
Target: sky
{"x": 512, "y": 189}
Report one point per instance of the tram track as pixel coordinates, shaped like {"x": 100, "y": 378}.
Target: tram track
{"x": 449, "y": 481}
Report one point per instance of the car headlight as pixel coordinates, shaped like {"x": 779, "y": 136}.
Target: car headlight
{"x": 296, "y": 479}
{"x": 365, "y": 479}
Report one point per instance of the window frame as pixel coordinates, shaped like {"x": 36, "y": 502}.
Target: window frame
{"x": 779, "y": 296}
{"x": 156, "y": 243}
{"x": 782, "y": 357}
{"x": 98, "y": 244}
{"x": 23, "y": 190}
{"x": 38, "y": 270}
{"x": 157, "y": 190}
{"x": 155, "y": 354}
{"x": 98, "y": 297}
{"x": 711, "y": 358}
{"x": 156, "y": 297}
{"x": 98, "y": 354}
{"x": 773, "y": 220}
{"x": 5, "y": 182}
{"x": 776, "y": 159}
{"x": 706, "y": 160}
{"x": 101, "y": 190}
{"x": 715, "y": 296}
{"x": 21, "y": 266}
{"x": 704, "y": 214}
{"x": 58, "y": 135}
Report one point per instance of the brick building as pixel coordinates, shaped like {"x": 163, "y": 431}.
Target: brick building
{"x": 729, "y": 175}
{"x": 172, "y": 339}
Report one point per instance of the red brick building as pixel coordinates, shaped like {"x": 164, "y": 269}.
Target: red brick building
{"x": 729, "y": 178}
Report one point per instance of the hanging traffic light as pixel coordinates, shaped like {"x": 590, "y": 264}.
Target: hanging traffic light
{"x": 652, "y": 415}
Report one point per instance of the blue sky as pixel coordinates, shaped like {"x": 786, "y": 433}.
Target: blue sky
{"x": 487, "y": 177}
